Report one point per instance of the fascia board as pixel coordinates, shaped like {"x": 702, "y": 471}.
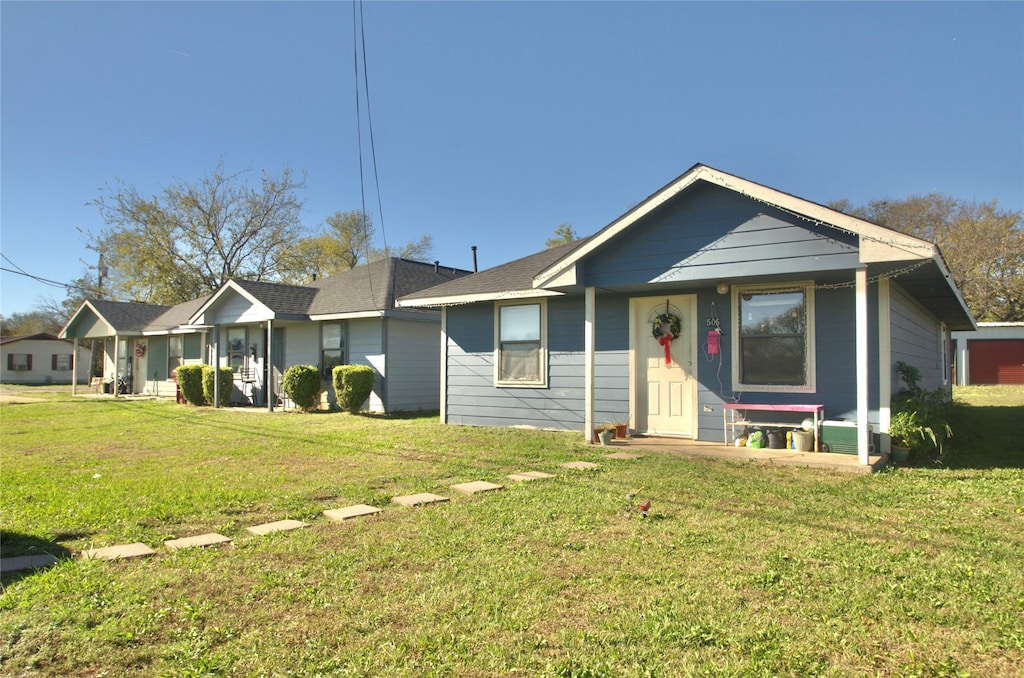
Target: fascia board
{"x": 347, "y": 316}
{"x": 461, "y": 299}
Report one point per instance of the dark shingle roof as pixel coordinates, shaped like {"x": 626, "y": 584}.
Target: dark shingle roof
{"x": 128, "y": 316}
{"x": 375, "y": 286}
{"x": 514, "y": 276}
{"x": 282, "y": 299}
{"x": 41, "y": 336}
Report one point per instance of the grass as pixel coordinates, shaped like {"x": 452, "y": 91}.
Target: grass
{"x": 740, "y": 570}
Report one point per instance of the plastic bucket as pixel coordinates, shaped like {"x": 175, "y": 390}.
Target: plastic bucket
{"x": 803, "y": 441}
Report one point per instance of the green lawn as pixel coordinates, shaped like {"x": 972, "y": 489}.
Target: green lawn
{"x": 740, "y": 570}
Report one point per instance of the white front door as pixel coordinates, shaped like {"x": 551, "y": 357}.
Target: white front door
{"x": 665, "y": 385}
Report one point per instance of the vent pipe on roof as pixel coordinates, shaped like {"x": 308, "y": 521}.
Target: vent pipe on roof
{"x": 436, "y": 265}
{"x": 473, "y": 247}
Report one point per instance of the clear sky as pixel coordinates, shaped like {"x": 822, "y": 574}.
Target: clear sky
{"x": 495, "y": 122}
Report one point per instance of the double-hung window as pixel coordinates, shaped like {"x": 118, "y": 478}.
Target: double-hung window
{"x": 332, "y": 339}
{"x": 174, "y": 353}
{"x": 236, "y": 348}
{"x": 61, "y": 362}
{"x": 19, "y": 362}
{"x": 521, "y": 355}
{"x": 776, "y": 338}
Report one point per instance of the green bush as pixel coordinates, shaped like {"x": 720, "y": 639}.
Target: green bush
{"x": 227, "y": 384}
{"x": 353, "y": 385}
{"x": 302, "y": 384}
{"x": 190, "y": 380}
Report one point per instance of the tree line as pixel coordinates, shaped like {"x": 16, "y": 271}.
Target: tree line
{"x": 191, "y": 237}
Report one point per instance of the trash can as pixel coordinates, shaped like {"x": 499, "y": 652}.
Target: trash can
{"x": 803, "y": 441}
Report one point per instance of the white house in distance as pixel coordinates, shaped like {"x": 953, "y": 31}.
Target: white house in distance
{"x": 42, "y": 359}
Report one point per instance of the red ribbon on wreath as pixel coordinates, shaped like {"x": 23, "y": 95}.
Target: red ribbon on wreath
{"x": 665, "y": 340}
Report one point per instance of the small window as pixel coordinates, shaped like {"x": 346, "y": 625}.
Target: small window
{"x": 332, "y": 337}
{"x": 175, "y": 353}
{"x": 19, "y": 362}
{"x": 61, "y": 363}
{"x": 236, "y": 348}
{"x": 521, "y": 352}
{"x": 775, "y": 339}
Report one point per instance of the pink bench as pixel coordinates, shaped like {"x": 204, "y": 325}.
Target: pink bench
{"x": 730, "y": 420}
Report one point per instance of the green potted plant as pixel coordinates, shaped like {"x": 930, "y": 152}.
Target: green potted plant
{"x": 605, "y": 433}
{"x": 919, "y": 421}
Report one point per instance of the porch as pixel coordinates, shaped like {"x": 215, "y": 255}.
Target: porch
{"x": 847, "y": 463}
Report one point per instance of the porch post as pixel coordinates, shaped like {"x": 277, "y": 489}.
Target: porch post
{"x": 588, "y": 364}
{"x": 884, "y": 367}
{"x": 216, "y": 366}
{"x": 74, "y": 368}
{"x": 443, "y": 403}
{"x": 117, "y": 342}
{"x": 268, "y": 386}
{"x": 862, "y": 365}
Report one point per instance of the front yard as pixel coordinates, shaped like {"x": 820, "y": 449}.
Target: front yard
{"x": 738, "y": 570}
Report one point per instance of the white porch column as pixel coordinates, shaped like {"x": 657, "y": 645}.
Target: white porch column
{"x": 216, "y": 366}
{"x": 74, "y": 368}
{"x": 117, "y": 342}
{"x": 443, "y": 402}
{"x": 268, "y": 386}
{"x": 884, "y": 366}
{"x": 588, "y": 364}
{"x": 862, "y": 365}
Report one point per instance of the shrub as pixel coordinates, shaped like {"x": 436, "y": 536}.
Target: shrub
{"x": 190, "y": 380}
{"x": 227, "y": 383}
{"x": 302, "y": 384}
{"x": 353, "y": 385}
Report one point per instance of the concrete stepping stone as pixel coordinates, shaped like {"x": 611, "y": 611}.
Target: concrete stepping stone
{"x": 339, "y": 514}
{"x": 120, "y": 552}
{"x": 623, "y": 455}
{"x": 198, "y": 541}
{"x": 476, "y": 486}
{"x": 411, "y": 500}
{"x": 580, "y": 465}
{"x": 19, "y": 563}
{"x": 276, "y": 526}
{"x": 529, "y": 475}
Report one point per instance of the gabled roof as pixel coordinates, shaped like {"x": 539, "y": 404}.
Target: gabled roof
{"x": 514, "y": 279}
{"x": 39, "y": 336}
{"x": 276, "y": 301}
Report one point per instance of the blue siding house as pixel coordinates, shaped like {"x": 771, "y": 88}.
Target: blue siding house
{"x": 713, "y": 290}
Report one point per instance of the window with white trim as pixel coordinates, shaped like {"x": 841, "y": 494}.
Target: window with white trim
{"x": 332, "y": 338}
{"x": 236, "y": 348}
{"x": 175, "y": 353}
{"x": 521, "y": 344}
{"x": 775, "y": 337}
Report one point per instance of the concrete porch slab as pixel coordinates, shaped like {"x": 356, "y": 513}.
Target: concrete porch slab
{"x": 411, "y": 500}
{"x": 276, "y": 526}
{"x": 339, "y": 514}
{"x": 119, "y": 552}
{"x": 19, "y": 563}
{"x": 580, "y": 465}
{"x": 476, "y": 486}
{"x": 529, "y": 475}
{"x": 198, "y": 541}
{"x": 623, "y": 455}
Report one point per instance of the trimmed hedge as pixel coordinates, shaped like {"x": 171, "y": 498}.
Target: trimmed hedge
{"x": 353, "y": 385}
{"x": 190, "y": 380}
{"x": 302, "y": 384}
{"x": 227, "y": 384}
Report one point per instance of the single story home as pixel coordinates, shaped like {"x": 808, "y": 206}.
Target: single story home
{"x": 42, "y": 359}
{"x": 713, "y": 295}
{"x": 260, "y": 329}
{"x": 992, "y": 354}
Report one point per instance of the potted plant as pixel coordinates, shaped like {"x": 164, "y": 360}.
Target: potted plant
{"x": 606, "y": 433}
{"x": 621, "y": 429}
{"x": 919, "y": 421}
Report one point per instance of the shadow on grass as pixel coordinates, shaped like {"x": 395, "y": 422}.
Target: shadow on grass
{"x": 15, "y": 544}
{"x": 986, "y": 437}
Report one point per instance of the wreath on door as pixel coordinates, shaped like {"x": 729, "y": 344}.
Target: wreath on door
{"x": 140, "y": 350}
{"x": 666, "y": 327}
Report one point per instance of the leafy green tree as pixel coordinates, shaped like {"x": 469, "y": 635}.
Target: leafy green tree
{"x": 193, "y": 236}
{"x": 982, "y": 245}
{"x": 564, "y": 234}
{"x": 29, "y": 322}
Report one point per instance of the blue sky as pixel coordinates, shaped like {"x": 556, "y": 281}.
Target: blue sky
{"x": 495, "y": 122}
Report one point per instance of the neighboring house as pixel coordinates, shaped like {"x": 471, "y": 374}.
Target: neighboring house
{"x": 41, "y": 359}
{"x": 261, "y": 328}
{"x": 813, "y": 307}
{"x": 993, "y": 354}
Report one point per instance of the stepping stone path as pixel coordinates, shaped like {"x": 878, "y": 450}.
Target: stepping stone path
{"x": 278, "y": 526}
{"x": 623, "y": 455}
{"x": 411, "y": 500}
{"x": 121, "y": 552}
{"x": 340, "y": 514}
{"x": 526, "y": 476}
{"x": 580, "y": 465}
{"x": 19, "y": 563}
{"x": 477, "y": 486}
{"x": 199, "y": 541}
